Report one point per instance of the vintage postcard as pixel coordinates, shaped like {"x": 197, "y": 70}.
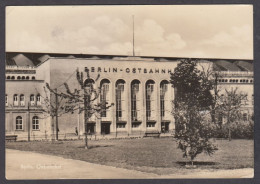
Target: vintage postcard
{"x": 129, "y": 92}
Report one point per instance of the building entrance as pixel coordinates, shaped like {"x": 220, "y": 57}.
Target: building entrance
{"x": 91, "y": 128}
{"x": 165, "y": 126}
{"x": 105, "y": 128}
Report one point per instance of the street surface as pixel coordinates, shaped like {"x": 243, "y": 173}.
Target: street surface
{"x": 30, "y": 165}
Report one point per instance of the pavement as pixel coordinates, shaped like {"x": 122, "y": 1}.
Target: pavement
{"x": 29, "y": 165}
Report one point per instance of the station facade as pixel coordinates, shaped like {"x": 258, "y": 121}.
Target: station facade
{"x": 138, "y": 87}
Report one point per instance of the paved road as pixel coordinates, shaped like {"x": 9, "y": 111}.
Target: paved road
{"x": 29, "y": 165}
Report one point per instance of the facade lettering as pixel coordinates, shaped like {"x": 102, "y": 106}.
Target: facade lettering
{"x": 127, "y": 70}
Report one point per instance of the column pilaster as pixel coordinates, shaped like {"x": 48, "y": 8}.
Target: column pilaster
{"x": 158, "y": 107}
{"x": 143, "y": 110}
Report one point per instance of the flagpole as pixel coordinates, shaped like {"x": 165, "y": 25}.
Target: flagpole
{"x": 133, "y": 35}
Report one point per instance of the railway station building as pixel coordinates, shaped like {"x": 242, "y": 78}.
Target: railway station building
{"x": 138, "y": 86}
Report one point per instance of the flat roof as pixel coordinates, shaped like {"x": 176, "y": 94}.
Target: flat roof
{"x": 35, "y": 59}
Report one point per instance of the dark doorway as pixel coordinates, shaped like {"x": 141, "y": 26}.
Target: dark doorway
{"x": 105, "y": 128}
{"x": 165, "y": 126}
{"x": 91, "y": 128}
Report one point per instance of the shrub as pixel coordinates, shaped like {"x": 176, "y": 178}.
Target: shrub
{"x": 239, "y": 130}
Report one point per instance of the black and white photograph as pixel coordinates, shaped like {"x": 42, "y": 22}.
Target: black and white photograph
{"x": 129, "y": 92}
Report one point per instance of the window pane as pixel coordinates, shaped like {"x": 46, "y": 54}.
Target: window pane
{"x": 119, "y": 94}
{"x": 134, "y": 93}
{"x": 35, "y": 123}
{"x": 19, "y": 123}
{"x": 149, "y": 91}
{"x": 32, "y": 98}
{"x": 103, "y": 97}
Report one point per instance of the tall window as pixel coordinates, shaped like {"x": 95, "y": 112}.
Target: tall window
{"x": 6, "y": 100}
{"x": 35, "y": 123}
{"x": 15, "y": 100}
{"x": 19, "y": 123}
{"x": 38, "y": 99}
{"x": 149, "y": 87}
{"x": 32, "y": 100}
{"x": 163, "y": 90}
{"x": 88, "y": 84}
{"x": 119, "y": 98}
{"x": 134, "y": 93}
{"x": 22, "y": 101}
{"x": 104, "y": 96}
{"x": 245, "y": 100}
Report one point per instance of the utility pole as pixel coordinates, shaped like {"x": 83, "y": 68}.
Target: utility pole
{"x": 79, "y": 122}
{"x": 28, "y": 122}
{"x": 56, "y": 114}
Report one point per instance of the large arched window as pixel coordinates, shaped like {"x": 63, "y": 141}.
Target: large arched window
{"x": 15, "y": 100}
{"x": 22, "y": 100}
{"x": 12, "y": 77}
{"x": 104, "y": 84}
{"x": 149, "y": 88}
{"x": 89, "y": 85}
{"x": 35, "y": 123}
{"x": 88, "y": 82}
{"x": 163, "y": 90}
{"x": 119, "y": 98}
{"x": 19, "y": 123}
{"x": 135, "y": 88}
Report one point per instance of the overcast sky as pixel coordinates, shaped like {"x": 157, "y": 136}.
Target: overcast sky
{"x": 223, "y": 31}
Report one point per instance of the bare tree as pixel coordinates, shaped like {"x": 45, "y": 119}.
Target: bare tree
{"x": 53, "y": 109}
{"x": 229, "y": 106}
{"x": 84, "y": 99}
{"x": 211, "y": 77}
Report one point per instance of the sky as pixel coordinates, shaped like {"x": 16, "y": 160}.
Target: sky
{"x": 196, "y": 31}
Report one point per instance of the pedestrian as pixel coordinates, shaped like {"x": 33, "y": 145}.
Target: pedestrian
{"x": 76, "y": 131}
